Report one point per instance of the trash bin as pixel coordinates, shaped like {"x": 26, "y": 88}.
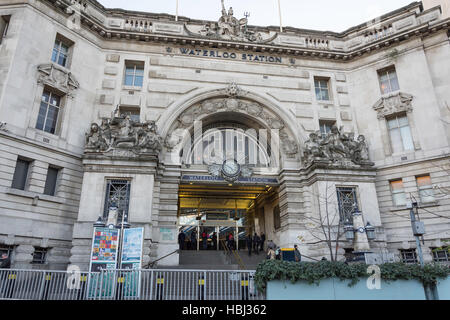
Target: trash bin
{"x": 287, "y": 254}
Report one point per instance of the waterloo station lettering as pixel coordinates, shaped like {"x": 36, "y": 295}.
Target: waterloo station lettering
{"x": 229, "y": 55}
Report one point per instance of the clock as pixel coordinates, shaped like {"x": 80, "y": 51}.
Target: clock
{"x": 231, "y": 168}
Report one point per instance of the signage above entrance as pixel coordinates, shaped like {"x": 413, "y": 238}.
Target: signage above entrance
{"x": 219, "y": 54}
{"x": 252, "y": 180}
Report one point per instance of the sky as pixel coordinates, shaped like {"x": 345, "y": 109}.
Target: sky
{"x": 321, "y": 15}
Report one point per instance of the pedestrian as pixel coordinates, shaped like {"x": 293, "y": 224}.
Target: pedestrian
{"x": 297, "y": 255}
{"x": 194, "y": 240}
{"x": 230, "y": 241}
{"x": 263, "y": 239}
{"x": 181, "y": 239}
{"x": 5, "y": 261}
{"x": 204, "y": 240}
{"x": 214, "y": 240}
{"x": 256, "y": 244}
{"x": 249, "y": 244}
{"x": 278, "y": 254}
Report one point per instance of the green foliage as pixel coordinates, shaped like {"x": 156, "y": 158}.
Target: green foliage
{"x": 313, "y": 273}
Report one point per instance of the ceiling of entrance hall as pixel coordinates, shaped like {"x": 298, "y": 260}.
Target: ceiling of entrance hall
{"x": 320, "y": 15}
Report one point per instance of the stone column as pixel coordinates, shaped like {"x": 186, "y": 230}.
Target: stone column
{"x": 23, "y": 256}
{"x": 291, "y": 208}
{"x": 167, "y": 231}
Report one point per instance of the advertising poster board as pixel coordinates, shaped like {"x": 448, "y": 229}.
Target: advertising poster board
{"x": 133, "y": 240}
{"x": 104, "y": 254}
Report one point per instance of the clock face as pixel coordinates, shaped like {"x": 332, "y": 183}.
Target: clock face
{"x": 231, "y": 168}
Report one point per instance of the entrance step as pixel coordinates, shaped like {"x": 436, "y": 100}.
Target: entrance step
{"x": 217, "y": 260}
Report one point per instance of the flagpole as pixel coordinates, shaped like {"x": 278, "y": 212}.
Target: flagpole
{"x": 279, "y": 10}
{"x": 176, "y": 17}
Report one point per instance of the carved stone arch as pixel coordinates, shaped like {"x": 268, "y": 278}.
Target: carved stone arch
{"x": 231, "y": 99}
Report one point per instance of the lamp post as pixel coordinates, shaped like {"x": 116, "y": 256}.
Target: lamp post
{"x": 362, "y": 237}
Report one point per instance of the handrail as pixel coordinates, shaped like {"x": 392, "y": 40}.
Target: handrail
{"x": 235, "y": 254}
{"x": 151, "y": 264}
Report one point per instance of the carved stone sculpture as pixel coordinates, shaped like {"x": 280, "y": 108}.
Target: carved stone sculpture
{"x": 337, "y": 148}
{"x": 122, "y": 136}
{"x": 230, "y": 28}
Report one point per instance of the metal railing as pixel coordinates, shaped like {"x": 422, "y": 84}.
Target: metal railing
{"x": 143, "y": 284}
{"x": 230, "y": 252}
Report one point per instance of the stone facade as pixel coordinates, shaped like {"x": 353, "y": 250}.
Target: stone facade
{"x": 195, "y": 70}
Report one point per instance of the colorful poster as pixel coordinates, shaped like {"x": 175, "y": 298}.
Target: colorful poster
{"x": 105, "y": 245}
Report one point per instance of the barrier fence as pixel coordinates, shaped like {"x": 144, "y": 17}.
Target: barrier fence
{"x": 143, "y": 284}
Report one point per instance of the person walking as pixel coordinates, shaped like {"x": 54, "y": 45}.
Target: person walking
{"x": 256, "y": 241}
{"x": 263, "y": 239}
{"x": 297, "y": 255}
{"x": 205, "y": 240}
{"x": 181, "y": 239}
{"x": 194, "y": 240}
{"x": 249, "y": 242}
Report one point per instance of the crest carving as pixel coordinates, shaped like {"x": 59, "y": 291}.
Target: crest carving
{"x": 392, "y": 104}
{"x": 57, "y": 77}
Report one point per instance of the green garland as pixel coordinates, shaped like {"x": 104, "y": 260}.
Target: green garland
{"x": 313, "y": 273}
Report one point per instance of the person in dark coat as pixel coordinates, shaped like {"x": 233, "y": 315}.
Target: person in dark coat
{"x": 181, "y": 239}
{"x": 256, "y": 241}
{"x": 205, "y": 240}
{"x": 297, "y": 255}
{"x": 249, "y": 242}
{"x": 263, "y": 239}
{"x": 5, "y": 261}
{"x": 194, "y": 240}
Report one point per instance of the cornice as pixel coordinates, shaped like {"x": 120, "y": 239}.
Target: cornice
{"x": 348, "y": 45}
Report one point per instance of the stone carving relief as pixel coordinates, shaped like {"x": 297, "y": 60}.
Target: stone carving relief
{"x": 3, "y": 127}
{"x": 337, "y": 148}
{"x": 120, "y": 136}
{"x": 392, "y": 104}
{"x": 230, "y": 28}
{"x": 233, "y": 102}
{"x": 57, "y": 77}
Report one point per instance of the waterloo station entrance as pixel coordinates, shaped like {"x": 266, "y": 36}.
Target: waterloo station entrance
{"x": 209, "y": 214}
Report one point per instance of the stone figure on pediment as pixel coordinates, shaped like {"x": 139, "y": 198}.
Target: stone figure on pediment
{"x": 333, "y": 144}
{"x": 125, "y": 134}
{"x": 313, "y": 148}
{"x": 337, "y": 148}
{"x": 95, "y": 140}
{"x": 148, "y": 138}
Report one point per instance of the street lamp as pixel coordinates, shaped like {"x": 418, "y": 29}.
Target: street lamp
{"x": 99, "y": 223}
{"x": 370, "y": 231}
{"x": 349, "y": 231}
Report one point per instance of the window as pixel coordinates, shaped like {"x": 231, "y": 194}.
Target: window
{"x": 325, "y": 127}
{"x": 398, "y": 194}
{"x": 348, "y": 202}
{"x": 400, "y": 133}
{"x": 388, "y": 80}
{"x": 60, "y": 54}
{"x": 39, "y": 255}
{"x": 408, "y": 256}
{"x": 276, "y": 217}
{"x": 134, "y": 113}
{"x": 48, "y": 112}
{"x": 50, "y": 182}
{"x": 4, "y": 24}
{"x": 426, "y": 193}
{"x": 21, "y": 174}
{"x": 6, "y": 249}
{"x": 441, "y": 254}
{"x": 134, "y": 74}
{"x": 118, "y": 194}
{"x": 322, "y": 89}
